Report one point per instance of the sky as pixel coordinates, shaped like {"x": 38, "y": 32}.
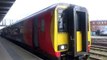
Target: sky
{"x": 96, "y": 8}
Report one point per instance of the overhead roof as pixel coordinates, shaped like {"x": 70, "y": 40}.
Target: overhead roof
{"x": 5, "y": 5}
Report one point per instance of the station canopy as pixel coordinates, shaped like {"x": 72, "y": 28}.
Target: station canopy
{"x": 5, "y": 5}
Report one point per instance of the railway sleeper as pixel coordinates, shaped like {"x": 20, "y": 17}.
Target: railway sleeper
{"x": 98, "y": 54}
{"x": 97, "y": 57}
{"x": 99, "y": 49}
{"x": 98, "y": 46}
{"x": 94, "y": 57}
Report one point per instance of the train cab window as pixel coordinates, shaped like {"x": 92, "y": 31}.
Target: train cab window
{"x": 42, "y": 25}
{"x": 81, "y": 21}
{"x": 62, "y": 23}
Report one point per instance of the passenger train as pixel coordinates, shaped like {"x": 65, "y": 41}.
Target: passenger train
{"x": 59, "y": 32}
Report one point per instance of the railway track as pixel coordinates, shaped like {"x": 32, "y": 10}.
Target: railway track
{"x": 98, "y": 52}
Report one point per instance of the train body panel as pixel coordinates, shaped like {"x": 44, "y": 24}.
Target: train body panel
{"x": 44, "y": 28}
{"x": 58, "y": 31}
{"x": 27, "y": 34}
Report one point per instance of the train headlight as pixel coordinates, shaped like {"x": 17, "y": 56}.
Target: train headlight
{"x": 62, "y": 47}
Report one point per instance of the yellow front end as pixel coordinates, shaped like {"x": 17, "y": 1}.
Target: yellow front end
{"x": 60, "y": 38}
{"x": 79, "y": 41}
{"x": 89, "y": 38}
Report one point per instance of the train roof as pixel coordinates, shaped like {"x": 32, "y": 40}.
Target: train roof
{"x": 47, "y": 8}
{"x": 43, "y": 10}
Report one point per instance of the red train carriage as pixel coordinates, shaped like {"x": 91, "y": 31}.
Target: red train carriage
{"x": 60, "y": 31}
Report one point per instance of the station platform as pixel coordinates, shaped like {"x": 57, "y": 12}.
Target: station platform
{"x": 10, "y": 51}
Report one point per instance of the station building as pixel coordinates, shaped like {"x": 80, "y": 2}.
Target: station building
{"x": 98, "y": 27}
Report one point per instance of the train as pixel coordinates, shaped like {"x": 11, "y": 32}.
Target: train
{"x": 59, "y": 32}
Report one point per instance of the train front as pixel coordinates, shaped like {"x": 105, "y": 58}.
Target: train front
{"x": 72, "y": 32}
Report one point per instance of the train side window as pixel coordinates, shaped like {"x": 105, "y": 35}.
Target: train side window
{"x": 42, "y": 25}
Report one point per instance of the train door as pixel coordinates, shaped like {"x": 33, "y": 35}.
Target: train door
{"x": 27, "y": 34}
{"x": 35, "y": 33}
{"x": 77, "y": 29}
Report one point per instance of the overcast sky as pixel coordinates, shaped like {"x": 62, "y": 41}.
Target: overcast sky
{"x": 97, "y": 8}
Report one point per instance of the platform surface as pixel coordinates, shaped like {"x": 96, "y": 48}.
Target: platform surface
{"x": 10, "y": 51}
